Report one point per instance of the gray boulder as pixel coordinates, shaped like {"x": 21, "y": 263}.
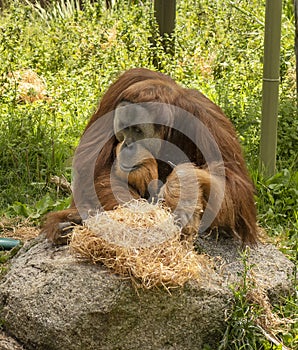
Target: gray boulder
{"x": 8, "y": 343}
{"x": 51, "y": 301}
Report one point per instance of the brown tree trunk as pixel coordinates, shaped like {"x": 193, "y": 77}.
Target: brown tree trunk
{"x": 165, "y": 14}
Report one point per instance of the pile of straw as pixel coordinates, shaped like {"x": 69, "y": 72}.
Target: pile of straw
{"x": 141, "y": 241}
{"x": 30, "y": 86}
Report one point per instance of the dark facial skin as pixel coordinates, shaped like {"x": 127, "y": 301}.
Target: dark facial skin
{"x": 139, "y": 138}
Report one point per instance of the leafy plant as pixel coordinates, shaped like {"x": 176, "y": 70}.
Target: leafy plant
{"x": 251, "y": 316}
{"x": 41, "y": 207}
{"x": 277, "y": 206}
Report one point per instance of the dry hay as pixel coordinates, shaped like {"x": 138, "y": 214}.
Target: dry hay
{"x": 18, "y": 228}
{"x": 141, "y": 241}
{"x": 30, "y": 87}
{"x": 111, "y": 38}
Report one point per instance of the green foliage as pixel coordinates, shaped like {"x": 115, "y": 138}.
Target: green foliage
{"x": 251, "y": 315}
{"x": 279, "y": 197}
{"x": 242, "y": 331}
{"x": 41, "y": 207}
{"x": 218, "y": 50}
{"x": 278, "y": 208}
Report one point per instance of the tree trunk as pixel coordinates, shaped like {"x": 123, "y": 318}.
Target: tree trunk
{"x": 165, "y": 14}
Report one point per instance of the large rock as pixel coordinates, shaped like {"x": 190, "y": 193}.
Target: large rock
{"x": 8, "y": 343}
{"x": 51, "y": 301}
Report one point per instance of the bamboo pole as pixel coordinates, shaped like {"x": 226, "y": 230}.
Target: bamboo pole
{"x": 270, "y": 86}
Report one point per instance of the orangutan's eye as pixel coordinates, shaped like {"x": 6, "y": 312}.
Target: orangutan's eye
{"x": 137, "y": 130}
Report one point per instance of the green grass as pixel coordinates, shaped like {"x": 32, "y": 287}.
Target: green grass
{"x": 218, "y": 50}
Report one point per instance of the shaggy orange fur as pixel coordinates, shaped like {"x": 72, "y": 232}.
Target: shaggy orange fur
{"x": 237, "y": 213}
